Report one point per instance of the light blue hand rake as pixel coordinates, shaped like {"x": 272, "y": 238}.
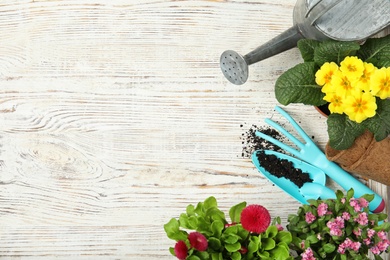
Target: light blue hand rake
{"x": 311, "y": 154}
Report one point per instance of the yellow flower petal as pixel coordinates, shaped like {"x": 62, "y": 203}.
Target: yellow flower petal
{"x": 336, "y": 103}
{"x": 324, "y": 74}
{"x": 380, "y": 83}
{"x": 343, "y": 84}
{"x": 364, "y": 81}
{"x": 360, "y": 106}
{"x": 352, "y": 67}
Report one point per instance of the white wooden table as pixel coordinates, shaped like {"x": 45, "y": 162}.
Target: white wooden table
{"x": 115, "y": 116}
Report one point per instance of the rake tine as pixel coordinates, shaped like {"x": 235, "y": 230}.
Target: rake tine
{"x": 278, "y": 143}
{"x": 294, "y": 124}
{"x": 285, "y": 132}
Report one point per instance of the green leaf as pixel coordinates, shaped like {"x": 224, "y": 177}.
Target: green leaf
{"x": 231, "y": 239}
{"x": 335, "y": 51}
{"x": 329, "y": 248}
{"x": 235, "y": 212}
{"x": 307, "y": 47}
{"x": 233, "y": 247}
{"x": 210, "y": 202}
{"x": 342, "y": 131}
{"x": 216, "y": 256}
{"x": 284, "y": 236}
{"x": 297, "y": 85}
{"x": 253, "y": 246}
{"x": 379, "y": 125}
{"x": 376, "y": 51}
{"x": 214, "y": 243}
{"x": 280, "y": 253}
{"x": 268, "y": 243}
{"x": 271, "y": 231}
{"x": 172, "y": 229}
{"x": 236, "y": 256}
{"x": 217, "y": 227}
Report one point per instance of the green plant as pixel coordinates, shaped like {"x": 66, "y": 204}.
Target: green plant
{"x": 354, "y": 79}
{"x": 338, "y": 229}
{"x": 203, "y": 232}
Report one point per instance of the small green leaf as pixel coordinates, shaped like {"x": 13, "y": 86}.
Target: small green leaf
{"x": 216, "y": 256}
{"x": 173, "y": 232}
{"x": 342, "y": 131}
{"x": 214, "y": 243}
{"x": 210, "y": 202}
{"x": 268, "y": 243}
{"x": 231, "y": 239}
{"x": 233, "y": 247}
{"x": 307, "y": 47}
{"x": 235, "y": 212}
{"x": 236, "y": 256}
{"x": 335, "y": 51}
{"x": 284, "y": 236}
{"x": 297, "y": 85}
{"x": 329, "y": 248}
{"x": 253, "y": 246}
{"x": 280, "y": 253}
{"x": 217, "y": 227}
{"x": 376, "y": 51}
{"x": 271, "y": 231}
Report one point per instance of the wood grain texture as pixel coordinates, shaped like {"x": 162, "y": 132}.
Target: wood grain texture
{"x": 115, "y": 116}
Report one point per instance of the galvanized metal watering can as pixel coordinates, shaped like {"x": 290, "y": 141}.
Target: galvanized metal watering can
{"x": 342, "y": 20}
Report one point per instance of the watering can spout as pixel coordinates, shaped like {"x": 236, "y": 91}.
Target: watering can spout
{"x": 235, "y": 67}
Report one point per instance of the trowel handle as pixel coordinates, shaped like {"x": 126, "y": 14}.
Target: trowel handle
{"x": 284, "y": 41}
{"x": 347, "y": 181}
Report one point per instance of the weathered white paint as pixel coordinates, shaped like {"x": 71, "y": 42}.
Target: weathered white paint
{"x": 115, "y": 116}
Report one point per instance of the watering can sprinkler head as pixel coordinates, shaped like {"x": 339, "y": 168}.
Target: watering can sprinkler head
{"x": 341, "y": 20}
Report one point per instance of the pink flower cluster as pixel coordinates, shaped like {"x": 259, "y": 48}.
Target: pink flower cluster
{"x": 379, "y": 247}
{"x": 362, "y": 219}
{"x": 336, "y": 225}
{"x": 348, "y": 244}
{"x": 308, "y": 254}
{"x": 322, "y": 209}
{"x": 358, "y": 204}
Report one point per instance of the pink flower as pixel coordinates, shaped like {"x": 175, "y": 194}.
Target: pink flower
{"x": 362, "y": 219}
{"x": 370, "y": 233}
{"x": 280, "y": 227}
{"x": 198, "y": 241}
{"x": 357, "y": 232}
{"x": 181, "y": 250}
{"x": 309, "y": 217}
{"x": 308, "y": 254}
{"x": 383, "y": 245}
{"x": 255, "y": 218}
{"x": 336, "y": 226}
{"x": 382, "y": 235}
{"x": 322, "y": 209}
{"x": 348, "y": 244}
{"x": 375, "y": 250}
{"x": 367, "y": 241}
{"x": 346, "y": 215}
{"x": 355, "y": 204}
{"x": 363, "y": 202}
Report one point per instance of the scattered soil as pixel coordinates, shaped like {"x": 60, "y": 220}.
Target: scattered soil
{"x": 282, "y": 168}
{"x": 251, "y": 142}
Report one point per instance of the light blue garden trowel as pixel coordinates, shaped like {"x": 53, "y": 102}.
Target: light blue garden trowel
{"x": 312, "y": 155}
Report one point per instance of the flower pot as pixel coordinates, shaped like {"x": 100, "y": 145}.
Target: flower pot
{"x": 366, "y": 158}
{"x": 323, "y": 110}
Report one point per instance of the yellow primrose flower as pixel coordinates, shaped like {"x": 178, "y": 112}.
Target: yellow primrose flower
{"x": 336, "y": 102}
{"x": 352, "y": 67}
{"x": 364, "y": 81}
{"x": 380, "y": 83}
{"x": 343, "y": 84}
{"x": 325, "y": 73}
{"x": 360, "y": 106}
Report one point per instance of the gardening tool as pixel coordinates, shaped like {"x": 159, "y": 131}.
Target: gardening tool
{"x": 311, "y": 154}
{"x": 310, "y": 190}
{"x": 341, "y": 20}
